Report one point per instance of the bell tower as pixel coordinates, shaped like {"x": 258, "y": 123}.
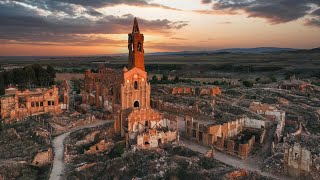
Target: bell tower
{"x": 135, "y": 46}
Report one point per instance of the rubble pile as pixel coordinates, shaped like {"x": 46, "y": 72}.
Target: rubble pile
{"x": 87, "y": 144}
{"x": 274, "y": 164}
{"x": 171, "y": 161}
{"x": 19, "y": 145}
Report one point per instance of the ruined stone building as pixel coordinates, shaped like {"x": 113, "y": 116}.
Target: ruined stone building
{"x": 17, "y": 104}
{"x": 273, "y": 114}
{"x": 102, "y": 88}
{"x": 297, "y": 161}
{"x": 237, "y": 136}
{"x": 64, "y": 95}
{"x": 136, "y": 120}
{"x": 197, "y": 91}
{"x": 294, "y": 84}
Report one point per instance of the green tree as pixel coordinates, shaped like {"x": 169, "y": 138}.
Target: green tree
{"x": 19, "y": 76}
{"x": 52, "y": 73}
{"x": 2, "y": 83}
{"x": 273, "y": 78}
{"x": 9, "y": 77}
{"x": 154, "y": 79}
{"x": 30, "y": 76}
{"x": 288, "y": 75}
{"x": 43, "y": 77}
{"x": 176, "y": 79}
{"x": 164, "y": 78}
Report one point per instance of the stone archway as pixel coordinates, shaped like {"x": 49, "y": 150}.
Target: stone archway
{"x": 136, "y": 104}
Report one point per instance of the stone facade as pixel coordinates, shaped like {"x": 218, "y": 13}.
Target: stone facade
{"x": 297, "y": 161}
{"x": 17, "y": 104}
{"x": 136, "y": 120}
{"x": 102, "y": 88}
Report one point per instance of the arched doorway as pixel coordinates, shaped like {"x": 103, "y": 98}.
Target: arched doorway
{"x": 136, "y": 104}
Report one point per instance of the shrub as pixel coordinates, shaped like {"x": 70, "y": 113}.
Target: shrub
{"x": 247, "y": 83}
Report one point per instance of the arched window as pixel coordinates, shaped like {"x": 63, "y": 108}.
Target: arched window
{"x": 135, "y": 85}
{"x": 139, "y": 47}
{"x": 136, "y": 104}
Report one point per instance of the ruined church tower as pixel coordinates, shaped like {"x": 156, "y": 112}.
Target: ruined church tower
{"x": 135, "y": 46}
{"x": 135, "y": 90}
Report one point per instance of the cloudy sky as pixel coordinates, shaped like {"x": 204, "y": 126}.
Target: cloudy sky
{"x": 95, "y": 27}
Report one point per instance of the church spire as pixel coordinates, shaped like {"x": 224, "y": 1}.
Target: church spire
{"x": 135, "y": 28}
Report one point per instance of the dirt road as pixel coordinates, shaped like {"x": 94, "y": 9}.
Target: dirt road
{"x": 57, "y": 143}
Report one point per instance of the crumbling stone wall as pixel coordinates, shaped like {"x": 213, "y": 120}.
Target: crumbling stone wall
{"x": 212, "y": 91}
{"x": 183, "y": 91}
{"x": 101, "y": 146}
{"x": 297, "y": 161}
{"x": 197, "y": 91}
{"x": 244, "y": 149}
{"x": 154, "y": 138}
{"x": 21, "y": 104}
{"x": 102, "y": 89}
{"x": 64, "y": 93}
{"x": 209, "y": 134}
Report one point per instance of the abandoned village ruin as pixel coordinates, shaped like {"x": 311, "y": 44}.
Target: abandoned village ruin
{"x": 147, "y": 117}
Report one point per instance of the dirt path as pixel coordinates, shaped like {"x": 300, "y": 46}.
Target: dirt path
{"x": 231, "y": 160}
{"x": 57, "y": 143}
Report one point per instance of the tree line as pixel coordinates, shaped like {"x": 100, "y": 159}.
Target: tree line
{"x": 27, "y": 77}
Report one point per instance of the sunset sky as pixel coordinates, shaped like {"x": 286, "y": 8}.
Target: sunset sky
{"x": 99, "y": 27}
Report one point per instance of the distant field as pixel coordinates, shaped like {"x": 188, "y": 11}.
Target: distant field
{"x": 68, "y": 76}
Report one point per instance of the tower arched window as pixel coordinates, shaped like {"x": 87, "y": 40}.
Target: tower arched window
{"x": 139, "y": 47}
{"x": 135, "y": 85}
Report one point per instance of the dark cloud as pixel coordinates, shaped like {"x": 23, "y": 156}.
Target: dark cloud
{"x": 206, "y": 1}
{"x": 316, "y": 12}
{"x": 21, "y": 24}
{"x": 315, "y": 22}
{"x": 279, "y": 11}
{"x": 104, "y": 3}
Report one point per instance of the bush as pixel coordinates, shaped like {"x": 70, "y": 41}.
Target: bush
{"x": 247, "y": 83}
{"x": 117, "y": 150}
{"x": 273, "y": 78}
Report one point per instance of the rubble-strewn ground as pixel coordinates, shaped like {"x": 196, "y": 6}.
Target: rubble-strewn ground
{"x": 110, "y": 160}
{"x": 274, "y": 163}
{"x": 19, "y": 143}
{"x": 170, "y": 161}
